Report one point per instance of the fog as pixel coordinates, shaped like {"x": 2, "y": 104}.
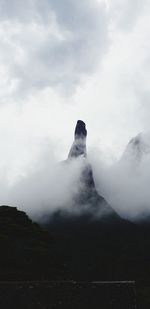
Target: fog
{"x": 65, "y": 60}
{"x": 47, "y": 184}
{"x": 125, "y": 183}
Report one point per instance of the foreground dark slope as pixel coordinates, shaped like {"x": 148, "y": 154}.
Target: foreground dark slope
{"x": 76, "y": 248}
{"x": 26, "y": 250}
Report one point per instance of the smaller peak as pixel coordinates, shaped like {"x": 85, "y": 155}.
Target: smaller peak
{"x": 137, "y": 139}
{"x": 138, "y": 147}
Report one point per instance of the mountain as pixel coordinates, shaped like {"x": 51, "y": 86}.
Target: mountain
{"x": 94, "y": 244}
{"x": 91, "y": 241}
{"x": 86, "y": 203}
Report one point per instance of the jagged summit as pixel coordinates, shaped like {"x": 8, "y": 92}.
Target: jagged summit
{"x": 80, "y": 130}
{"x": 79, "y": 145}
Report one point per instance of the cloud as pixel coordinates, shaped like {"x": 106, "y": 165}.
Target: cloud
{"x": 45, "y": 186}
{"x": 50, "y": 44}
{"x": 125, "y": 13}
{"x": 97, "y": 54}
{"x": 125, "y": 184}
{"x": 86, "y": 53}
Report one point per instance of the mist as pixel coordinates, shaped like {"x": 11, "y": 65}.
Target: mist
{"x": 125, "y": 182}
{"x": 46, "y": 186}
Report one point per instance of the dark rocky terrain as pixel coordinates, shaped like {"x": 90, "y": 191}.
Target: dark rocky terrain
{"x": 74, "y": 250}
{"x": 26, "y": 250}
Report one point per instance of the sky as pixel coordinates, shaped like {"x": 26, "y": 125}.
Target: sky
{"x": 69, "y": 60}
{"x": 61, "y": 61}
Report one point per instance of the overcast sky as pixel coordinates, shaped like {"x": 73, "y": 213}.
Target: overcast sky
{"x": 66, "y": 60}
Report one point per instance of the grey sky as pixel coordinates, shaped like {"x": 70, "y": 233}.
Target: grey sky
{"x": 66, "y": 60}
{"x": 59, "y": 42}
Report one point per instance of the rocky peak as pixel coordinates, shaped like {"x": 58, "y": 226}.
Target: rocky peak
{"x": 87, "y": 198}
{"x": 80, "y": 130}
{"x": 79, "y": 149}
{"x": 79, "y": 145}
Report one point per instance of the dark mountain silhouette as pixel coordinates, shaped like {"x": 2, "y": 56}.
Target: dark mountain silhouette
{"x": 95, "y": 243}
{"x": 26, "y": 250}
{"x": 75, "y": 250}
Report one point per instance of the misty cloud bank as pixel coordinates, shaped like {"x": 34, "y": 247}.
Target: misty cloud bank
{"x": 125, "y": 184}
{"x": 46, "y": 187}
{"x": 50, "y": 185}
{"x": 97, "y": 51}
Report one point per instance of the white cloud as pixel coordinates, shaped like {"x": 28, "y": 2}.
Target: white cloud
{"x": 125, "y": 184}
{"x": 66, "y": 60}
{"x": 43, "y": 45}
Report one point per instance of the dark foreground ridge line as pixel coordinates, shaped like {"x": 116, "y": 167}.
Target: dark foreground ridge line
{"x": 132, "y": 282}
{"x": 67, "y": 295}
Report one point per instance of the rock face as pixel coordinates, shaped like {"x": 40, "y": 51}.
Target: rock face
{"x": 80, "y": 130}
{"x": 79, "y": 145}
{"x": 87, "y": 198}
